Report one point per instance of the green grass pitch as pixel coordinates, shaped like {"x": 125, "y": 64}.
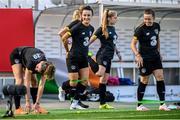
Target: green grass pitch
{"x": 95, "y": 114}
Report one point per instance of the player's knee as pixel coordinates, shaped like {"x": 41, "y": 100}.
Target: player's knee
{"x": 84, "y": 82}
{"x": 159, "y": 77}
{"x": 144, "y": 81}
{"x": 19, "y": 81}
{"x": 103, "y": 81}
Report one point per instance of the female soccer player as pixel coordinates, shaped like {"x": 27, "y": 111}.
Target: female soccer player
{"x": 108, "y": 37}
{"x": 76, "y": 18}
{"x": 148, "y": 58}
{"x": 77, "y": 62}
{"x": 27, "y": 61}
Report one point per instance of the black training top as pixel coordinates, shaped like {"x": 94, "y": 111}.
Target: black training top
{"x": 148, "y": 37}
{"x": 31, "y": 57}
{"x": 73, "y": 23}
{"x": 80, "y": 38}
{"x": 107, "y": 45}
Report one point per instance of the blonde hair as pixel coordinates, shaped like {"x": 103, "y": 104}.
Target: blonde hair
{"x": 77, "y": 13}
{"x": 48, "y": 70}
{"x": 80, "y": 8}
{"x": 107, "y": 14}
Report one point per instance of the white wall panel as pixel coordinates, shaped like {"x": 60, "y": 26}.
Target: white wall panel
{"x": 48, "y": 40}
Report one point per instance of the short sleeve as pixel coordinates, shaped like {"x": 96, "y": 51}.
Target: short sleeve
{"x": 74, "y": 29}
{"x": 137, "y": 33}
{"x": 72, "y": 24}
{"x": 98, "y": 32}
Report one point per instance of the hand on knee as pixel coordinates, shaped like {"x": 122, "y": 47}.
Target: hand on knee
{"x": 101, "y": 71}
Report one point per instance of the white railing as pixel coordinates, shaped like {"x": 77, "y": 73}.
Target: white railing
{"x": 42, "y": 4}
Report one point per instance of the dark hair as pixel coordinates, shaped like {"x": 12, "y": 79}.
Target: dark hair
{"x": 88, "y": 8}
{"x": 149, "y": 11}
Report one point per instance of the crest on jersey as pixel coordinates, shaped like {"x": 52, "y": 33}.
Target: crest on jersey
{"x": 143, "y": 70}
{"x": 156, "y": 31}
{"x": 73, "y": 67}
{"x": 83, "y": 33}
{"x": 16, "y": 61}
{"x": 105, "y": 63}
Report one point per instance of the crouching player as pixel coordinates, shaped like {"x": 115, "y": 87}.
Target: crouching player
{"x": 26, "y": 62}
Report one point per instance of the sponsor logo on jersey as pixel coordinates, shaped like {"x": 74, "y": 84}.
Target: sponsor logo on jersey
{"x": 148, "y": 33}
{"x": 83, "y": 33}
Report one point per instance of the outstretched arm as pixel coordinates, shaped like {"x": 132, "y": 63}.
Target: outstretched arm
{"x": 27, "y": 79}
{"x": 92, "y": 39}
{"x": 40, "y": 92}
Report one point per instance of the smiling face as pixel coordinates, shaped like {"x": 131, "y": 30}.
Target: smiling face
{"x": 148, "y": 19}
{"x": 86, "y": 17}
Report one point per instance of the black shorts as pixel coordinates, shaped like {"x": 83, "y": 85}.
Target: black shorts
{"x": 149, "y": 66}
{"x": 104, "y": 61}
{"x": 74, "y": 63}
{"x": 15, "y": 56}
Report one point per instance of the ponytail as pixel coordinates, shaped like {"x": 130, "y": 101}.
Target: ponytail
{"x": 105, "y": 23}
